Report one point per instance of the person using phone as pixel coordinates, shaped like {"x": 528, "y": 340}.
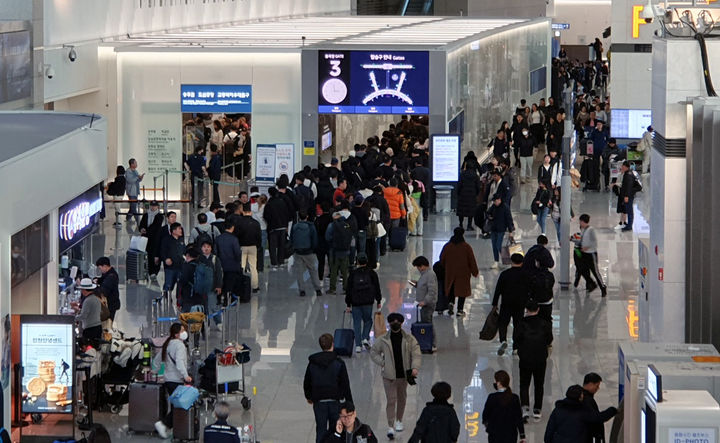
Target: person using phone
{"x": 426, "y": 293}
{"x": 349, "y": 428}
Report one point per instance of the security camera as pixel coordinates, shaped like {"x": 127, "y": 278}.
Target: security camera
{"x": 72, "y": 55}
{"x": 648, "y": 14}
{"x": 49, "y": 72}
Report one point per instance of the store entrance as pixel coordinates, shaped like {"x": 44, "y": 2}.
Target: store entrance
{"x": 339, "y": 133}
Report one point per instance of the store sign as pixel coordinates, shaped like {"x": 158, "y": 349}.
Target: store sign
{"x": 560, "y": 26}
{"x": 78, "y": 218}
{"x": 216, "y": 98}
{"x": 692, "y": 435}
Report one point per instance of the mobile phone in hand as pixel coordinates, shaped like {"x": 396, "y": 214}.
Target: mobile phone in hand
{"x": 412, "y": 283}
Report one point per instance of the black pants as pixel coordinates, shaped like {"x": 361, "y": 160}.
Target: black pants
{"x": 94, "y": 332}
{"x": 321, "y": 256}
{"x": 451, "y": 298}
{"x": 371, "y": 253}
{"x": 326, "y": 416}
{"x": 216, "y": 193}
{"x": 589, "y": 265}
{"x": 505, "y": 315}
{"x": 546, "y": 312}
{"x": 534, "y": 371}
{"x": 470, "y": 221}
{"x": 276, "y": 240}
{"x": 606, "y": 173}
{"x": 169, "y": 389}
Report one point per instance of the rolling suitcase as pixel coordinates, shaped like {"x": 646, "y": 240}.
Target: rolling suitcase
{"x": 245, "y": 288}
{"x": 186, "y": 424}
{"x": 398, "y": 238}
{"x": 344, "y": 340}
{"x": 136, "y": 265}
{"x": 146, "y": 406}
{"x": 423, "y": 333}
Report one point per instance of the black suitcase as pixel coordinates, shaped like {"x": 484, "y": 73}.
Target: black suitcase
{"x": 245, "y": 289}
{"x": 136, "y": 265}
{"x": 186, "y": 424}
{"x": 146, "y": 406}
{"x": 344, "y": 340}
{"x": 398, "y": 238}
{"x": 423, "y": 333}
{"x": 591, "y": 174}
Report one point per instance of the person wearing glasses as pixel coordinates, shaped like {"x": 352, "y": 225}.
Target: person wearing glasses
{"x": 349, "y": 428}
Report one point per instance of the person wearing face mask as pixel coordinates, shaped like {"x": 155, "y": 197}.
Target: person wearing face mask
{"x": 438, "y": 421}
{"x": 174, "y": 355}
{"x": 151, "y": 227}
{"x": 502, "y": 415}
{"x": 398, "y": 354}
{"x": 525, "y": 146}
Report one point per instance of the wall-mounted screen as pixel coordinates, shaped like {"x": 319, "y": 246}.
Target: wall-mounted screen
{"x": 326, "y": 141}
{"x": 445, "y": 150}
{"x": 229, "y": 99}
{"x": 16, "y": 77}
{"x": 373, "y": 82}
{"x": 538, "y": 80}
{"x": 629, "y": 123}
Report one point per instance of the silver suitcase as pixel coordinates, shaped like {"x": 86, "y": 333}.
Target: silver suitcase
{"x": 186, "y": 424}
{"x": 136, "y": 265}
{"x": 146, "y": 406}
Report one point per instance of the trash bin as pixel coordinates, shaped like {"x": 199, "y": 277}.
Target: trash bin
{"x": 443, "y": 196}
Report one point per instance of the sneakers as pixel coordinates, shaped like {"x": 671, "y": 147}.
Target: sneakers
{"x": 358, "y": 349}
{"x": 434, "y": 349}
{"x": 495, "y": 265}
{"x": 537, "y": 415}
{"x": 503, "y": 347}
{"x": 366, "y": 343}
{"x": 450, "y": 309}
{"x": 460, "y": 313}
{"x": 525, "y": 413}
{"x": 626, "y": 229}
{"x": 391, "y": 433}
{"x": 161, "y": 429}
{"x": 302, "y": 293}
{"x": 398, "y": 426}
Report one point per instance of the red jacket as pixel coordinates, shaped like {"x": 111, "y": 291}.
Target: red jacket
{"x": 396, "y": 202}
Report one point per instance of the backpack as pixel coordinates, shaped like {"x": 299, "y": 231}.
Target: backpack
{"x": 541, "y": 285}
{"x": 304, "y": 198}
{"x": 637, "y": 184}
{"x": 362, "y": 283}
{"x": 203, "y": 279}
{"x": 204, "y": 237}
{"x": 301, "y": 238}
{"x": 117, "y": 187}
{"x": 342, "y": 235}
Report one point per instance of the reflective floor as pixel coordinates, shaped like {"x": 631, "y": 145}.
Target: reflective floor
{"x": 282, "y": 330}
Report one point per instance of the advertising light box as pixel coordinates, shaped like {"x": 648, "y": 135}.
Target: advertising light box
{"x": 229, "y": 99}
{"x": 47, "y": 356}
{"x": 373, "y": 82}
{"x": 78, "y": 217}
{"x": 445, "y": 157}
{"x": 629, "y": 123}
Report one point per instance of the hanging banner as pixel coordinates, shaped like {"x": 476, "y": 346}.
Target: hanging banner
{"x": 285, "y": 159}
{"x": 265, "y": 163}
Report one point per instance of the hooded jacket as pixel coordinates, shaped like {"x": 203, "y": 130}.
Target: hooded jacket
{"x": 534, "y": 335}
{"x": 438, "y": 423}
{"x": 326, "y": 378}
{"x": 569, "y": 422}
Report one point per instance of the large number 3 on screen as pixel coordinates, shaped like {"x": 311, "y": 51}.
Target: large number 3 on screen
{"x": 335, "y": 68}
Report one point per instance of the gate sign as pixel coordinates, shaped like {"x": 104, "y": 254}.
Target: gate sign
{"x": 77, "y": 218}
{"x": 216, "y": 98}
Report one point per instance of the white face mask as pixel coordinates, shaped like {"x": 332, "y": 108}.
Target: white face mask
{"x": 183, "y": 335}
{"x": 525, "y": 133}
{"x": 15, "y": 255}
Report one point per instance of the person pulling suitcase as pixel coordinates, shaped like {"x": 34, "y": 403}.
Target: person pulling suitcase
{"x": 426, "y": 294}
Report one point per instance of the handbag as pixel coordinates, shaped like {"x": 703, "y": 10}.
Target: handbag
{"x": 184, "y": 397}
{"x": 379, "y": 328}
{"x": 490, "y": 328}
{"x": 381, "y": 230}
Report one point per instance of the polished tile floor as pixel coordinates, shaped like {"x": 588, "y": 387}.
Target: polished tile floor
{"x": 282, "y": 330}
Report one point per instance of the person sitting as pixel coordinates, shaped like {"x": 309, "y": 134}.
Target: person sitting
{"x": 221, "y": 431}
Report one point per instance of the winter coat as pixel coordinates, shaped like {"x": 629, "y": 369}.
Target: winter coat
{"x": 227, "y": 249}
{"x": 382, "y": 354}
{"x": 174, "y": 249}
{"x": 525, "y": 145}
{"x": 534, "y": 335}
{"x": 247, "y": 231}
{"x": 502, "y": 417}
{"x": 458, "y": 259}
{"x": 396, "y": 202}
{"x": 326, "y": 378}
{"x": 596, "y": 431}
{"x": 468, "y": 189}
{"x": 361, "y": 430}
{"x": 276, "y": 213}
{"x": 500, "y": 218}
{"x": 438, "y": 423}
{"x": 152, "y": 232}
{"x": 304, "y": 238}
{"x": 355, "y": 296}
{"x": 569, "y": 422}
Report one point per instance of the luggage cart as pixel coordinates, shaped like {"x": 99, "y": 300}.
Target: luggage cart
{"x": 230, "y": 368}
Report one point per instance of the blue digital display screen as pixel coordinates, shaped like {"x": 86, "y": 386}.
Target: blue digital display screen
{"x": 373, "y": 82}
{"x": 229, "y": 99}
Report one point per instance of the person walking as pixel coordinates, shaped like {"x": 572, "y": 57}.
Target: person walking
{"x": 277, "y": 216}
{"x": 545, "y": 171}
{"x": 349, "y": 429}
{"x": 570, "y": 419}
{"x": 426, "y": 293}
{"x": 458, "y": 260}
{"x": 502, "y": 414}
{"x": 534, "y": 337}
{"x": 591, "y": 386}
{"x": 304, "y": 240}
{"x": 541, "y": 205}
{"x": 587, "y": 244}
{"x": 512, "y": 288}
{"x": 213, "y": 262}
{"x": 249, "y": 234}
{"x": 626, "y": 194}
{"x": 228, "y": 250}
{"x": 109, "y": 281}
{"x": 151, "y": 228}
{"x": 525, "y": 146}
{"x": 175, "y": 357}
{"x": 172, "y": 251}
{"x": 132, "y": 188}
{"x": 398, "y": 354}
{"x": 645, "y": 146}
{"x": 500, "y": 221}
{"x": 536, "y": 265}
{"x": 326, "y": 384}
{"x": 339, "y": 237}
{"x": 468, "y": 188}
{"x": 438, "y": 421}
{"x": 363, "y": 290}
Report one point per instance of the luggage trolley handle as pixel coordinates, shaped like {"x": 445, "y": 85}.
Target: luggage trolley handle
{"x": 155, "y": 312}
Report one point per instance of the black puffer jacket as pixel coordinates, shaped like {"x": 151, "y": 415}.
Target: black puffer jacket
{"x": 569, "y": 422}
{"x": 467, "y": 191}
{"x": 276, "y": 213}
{"x": 438, "y": 423}
{"x": 326, "y": 378}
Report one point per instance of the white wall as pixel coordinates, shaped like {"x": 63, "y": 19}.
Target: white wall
{"x": 149, "y": 96}
{"x": 111, "y": 18}
{"x": 16, "y": 9}
{"x": 586, "y": 22}
{"x": 69, "y": 165}
{"x": 71, "y": 78}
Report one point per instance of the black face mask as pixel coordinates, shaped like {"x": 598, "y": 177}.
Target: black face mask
{"x": 395, "y": 327}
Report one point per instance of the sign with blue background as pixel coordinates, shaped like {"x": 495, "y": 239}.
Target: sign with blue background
{"x": 229, "y": 99}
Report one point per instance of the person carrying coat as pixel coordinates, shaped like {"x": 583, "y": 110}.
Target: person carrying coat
{"x": 502, "y": 415}
{"x": 438, "y": 422}
{"x": 570, "y": 420}
{"x": 468, "y": 189}
{"x": 458, "y": 260}
{"x": 398, "y": 354}
{"x": 500, "y": 221}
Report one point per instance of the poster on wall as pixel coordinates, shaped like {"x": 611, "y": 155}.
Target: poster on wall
{"x": 265, "y": 163}
{"x": 163, "y": 138}
{"x": 284, "y": 159}
{"x": 161, "y": 150}
{"x": 47, "y": 346}
{"x": 445, "y": 149}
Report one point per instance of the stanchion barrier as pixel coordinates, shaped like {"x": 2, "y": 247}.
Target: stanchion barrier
{"x": 162, "y": 321}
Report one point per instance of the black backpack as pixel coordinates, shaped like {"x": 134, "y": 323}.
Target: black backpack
{"x": 362, "y": 283}
{"x": 304, "y": 198}
{"x": 204, "y": 237}
{"x": 342, "y": 235}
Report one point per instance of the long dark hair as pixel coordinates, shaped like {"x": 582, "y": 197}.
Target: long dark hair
{"x": 175, "y": 329}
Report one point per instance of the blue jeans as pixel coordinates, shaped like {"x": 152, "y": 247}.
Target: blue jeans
{"x": 133, "y": 211}
{"x": 629, "y": 211}
{"x": 542, "y": 218}
{"x": 359, "y": 246}
{"x": 364, "y": 314}
{"x": 557, "y": 229}
{"x": 171, "y": 277}
{"x": 327, "y": 414}
{"x": 496, "y": 238}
